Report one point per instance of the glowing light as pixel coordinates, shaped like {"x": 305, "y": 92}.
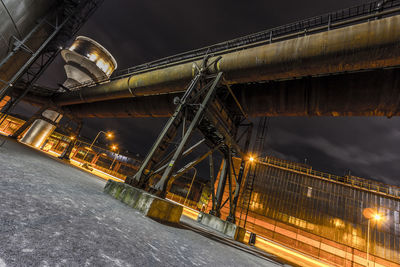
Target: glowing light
{"x": 377, "y": 217}
{"x": 102, "y": 65}
{"x": 72, "y": 137}
{"x": 338, "y": 223}
{"x": 251, "y": 159}
{"x": 109, "y": 135}
{"x": 114, "y": 147}
{"x": 92, "y": 57}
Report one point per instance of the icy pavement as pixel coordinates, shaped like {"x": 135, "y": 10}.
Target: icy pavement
{"x": 52, "y": 214}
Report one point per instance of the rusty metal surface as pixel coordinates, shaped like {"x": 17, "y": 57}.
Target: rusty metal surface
{"x": 356, "y": 94}
{"x": 375, "y": 44}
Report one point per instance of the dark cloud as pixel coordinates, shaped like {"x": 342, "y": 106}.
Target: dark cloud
{"x": 139, "y": 31}
{"x": 365, "y": 145}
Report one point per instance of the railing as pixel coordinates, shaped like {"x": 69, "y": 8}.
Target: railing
{"x": 354, "y": 181}
{"x": 326, "y": 22}
{"x": 181, "y": 200}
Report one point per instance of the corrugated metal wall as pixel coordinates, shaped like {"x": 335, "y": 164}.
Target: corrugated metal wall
{"x": 328, "y": 209}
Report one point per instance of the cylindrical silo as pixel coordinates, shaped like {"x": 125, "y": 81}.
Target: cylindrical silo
{"x": 18, "y": 18}
{"x": 86, "y": 61}
{"x": 18, "y": 21}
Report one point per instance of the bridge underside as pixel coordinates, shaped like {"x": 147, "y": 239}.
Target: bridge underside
{"x": 368, "y": 93}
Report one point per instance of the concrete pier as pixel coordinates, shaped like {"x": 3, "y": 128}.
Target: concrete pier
{"x": 150, "y": 205}
{"x": 227, "y": 228}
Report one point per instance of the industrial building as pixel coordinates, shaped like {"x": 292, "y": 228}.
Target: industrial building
{"x": 318, "y": 213}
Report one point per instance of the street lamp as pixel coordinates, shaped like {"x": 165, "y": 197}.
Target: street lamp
{"x": 107, "y": 134}
{"x": 190, "y": 187}
{"x": 113, "y": 148}
{"x": 370, "y": 214}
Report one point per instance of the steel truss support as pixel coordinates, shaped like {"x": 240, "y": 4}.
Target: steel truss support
{"x": 199, "y": 109}
{"x": 232, "y": 211}
{"x": 62, "y": 26}
{"x": 161, "y": 186}
{"x": 67, "y": 152}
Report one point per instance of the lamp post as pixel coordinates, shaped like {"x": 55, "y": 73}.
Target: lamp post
{"x": 107, "y": 134}
{"x": 251, "y": 161}
{"x": 190, "y": 187}
{"x": 370, "y": 214}
{"x": 113, "y": 148}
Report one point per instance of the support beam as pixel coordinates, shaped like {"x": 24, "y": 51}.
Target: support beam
{"x": 232, "y": 214}
{"x": 221, "y": 187}
{"x": 161, "y": 186}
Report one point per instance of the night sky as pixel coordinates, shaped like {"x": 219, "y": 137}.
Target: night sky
{"x": 139, "y": 31}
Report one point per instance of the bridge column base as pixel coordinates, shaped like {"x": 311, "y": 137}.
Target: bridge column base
{"x": 227, "y": 228}
{"x": 151, "y": 206}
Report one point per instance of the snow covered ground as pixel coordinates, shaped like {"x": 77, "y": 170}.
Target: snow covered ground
{"x": 52, "y": 214}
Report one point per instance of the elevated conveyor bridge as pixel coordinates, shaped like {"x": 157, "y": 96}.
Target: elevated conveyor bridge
{"x": 334, "y": 20}
{"x": 330, "y": 65}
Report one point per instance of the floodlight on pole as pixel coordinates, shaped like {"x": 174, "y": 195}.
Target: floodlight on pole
{"x": 107, "y": 134}
{"x": 114, "y": 148}
{"x": 370, "y": 214}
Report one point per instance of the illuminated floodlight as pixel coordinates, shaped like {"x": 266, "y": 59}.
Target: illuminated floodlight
{"x": 377, "y": 217}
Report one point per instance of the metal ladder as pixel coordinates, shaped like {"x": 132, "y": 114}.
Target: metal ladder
{"x": 262, "y": 130}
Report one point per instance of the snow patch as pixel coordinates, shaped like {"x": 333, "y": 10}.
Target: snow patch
{"x": 153, "y": 247}
{"x": 154, "y": 256}
{"x": 118, "y": 262}
{"x": 2, "y": 263}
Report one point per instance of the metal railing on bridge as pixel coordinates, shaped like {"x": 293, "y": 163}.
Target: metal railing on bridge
{"x": 342, "y": 18}
{"x": 353, "y": 181}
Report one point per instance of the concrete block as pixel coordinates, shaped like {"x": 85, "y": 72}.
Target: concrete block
{"x": 227, "y": 228}
{"x": 150, "y": 205}
{"x": 129, "y": 196}
{"x": 240, "y": 234}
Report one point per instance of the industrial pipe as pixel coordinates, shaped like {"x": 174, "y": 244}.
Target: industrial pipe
{"x": 370, "y": 45}
{"x": 369, "y": 93}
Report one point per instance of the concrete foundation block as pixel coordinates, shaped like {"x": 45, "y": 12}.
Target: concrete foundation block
{"x": 227, "y": 228}
{"x": 150, "y": 205}
{"x": 129, "y": 196}
{"x": 240, "y": 234}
